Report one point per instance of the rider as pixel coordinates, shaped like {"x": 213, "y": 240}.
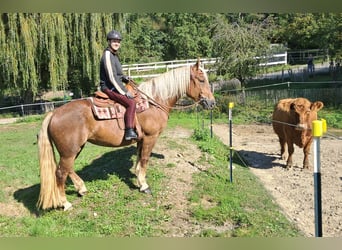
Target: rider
{"x": 111, "y": 81}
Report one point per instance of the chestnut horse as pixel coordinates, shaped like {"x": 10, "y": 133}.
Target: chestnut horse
{"x": 70, "y": 126}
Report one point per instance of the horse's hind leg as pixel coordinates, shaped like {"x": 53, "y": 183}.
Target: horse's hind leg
{"x": 63, "y": 170}
{"x": 78, "y": 183}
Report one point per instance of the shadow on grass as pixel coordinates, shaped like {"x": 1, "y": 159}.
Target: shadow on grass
{"x": 117, "y": 162}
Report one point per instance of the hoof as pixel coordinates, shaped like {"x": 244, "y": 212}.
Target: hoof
{"x": 146, "y": 191}
{"x": 83, "y": 191}
{"x": 81, "y": 194}
{"x": 289, "y": 165}
{"x": 67, "y": 206}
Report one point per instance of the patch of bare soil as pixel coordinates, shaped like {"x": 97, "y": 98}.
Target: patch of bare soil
{"x": 183, "y": 158}
{"x": 292, "y": 189}
{"x": 7, "y": 120}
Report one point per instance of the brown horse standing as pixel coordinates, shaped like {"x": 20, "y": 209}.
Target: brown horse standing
{"x": 70, "y": 126}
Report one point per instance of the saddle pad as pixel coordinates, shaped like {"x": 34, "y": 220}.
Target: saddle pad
{"x": 108, "y": 109}
{"x": 115, "y": 111}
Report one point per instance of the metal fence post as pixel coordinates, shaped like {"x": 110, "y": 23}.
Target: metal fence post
{"x": 231, "y": 105}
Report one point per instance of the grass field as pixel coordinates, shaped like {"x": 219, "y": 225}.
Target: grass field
{"x": 113, "y": 205}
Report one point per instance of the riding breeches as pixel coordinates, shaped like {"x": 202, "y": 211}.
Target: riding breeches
{"x": 128, "y": 103}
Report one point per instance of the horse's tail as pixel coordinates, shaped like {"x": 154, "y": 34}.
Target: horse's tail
{"x": 49, "y": 194}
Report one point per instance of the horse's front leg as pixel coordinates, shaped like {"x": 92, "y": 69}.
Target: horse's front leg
{"x": 145, "y": 147}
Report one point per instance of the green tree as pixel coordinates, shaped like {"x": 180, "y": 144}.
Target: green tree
{"x": 143, "y": 41}
{"x": 18, "y": 55}
{"x": 52, "y": 51}
{"x": 56, "y": 51}
{"x": 310, "y": 31}
{"x": 240, "y": 48}
{"x": 188, "y": 35}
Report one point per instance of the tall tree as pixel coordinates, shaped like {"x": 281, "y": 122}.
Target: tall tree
{"x": 310, "y": 30}
{"x": 46, "y": 50}
{"x": 188, "y": 35}
{"x": 143, "y": 40}
{"x": 18, "y": 48}
{"x": 240, "y": 48}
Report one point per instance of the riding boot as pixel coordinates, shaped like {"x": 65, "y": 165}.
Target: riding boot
{"x": 130, "y": 134}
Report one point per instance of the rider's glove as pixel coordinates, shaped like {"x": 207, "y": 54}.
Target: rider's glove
{"x": 129, "y": 95}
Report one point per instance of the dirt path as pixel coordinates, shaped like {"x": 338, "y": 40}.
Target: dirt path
{"x": 292, "y": 189}
{"x": 184, "y": 156}
{"x": 7, "y": 120}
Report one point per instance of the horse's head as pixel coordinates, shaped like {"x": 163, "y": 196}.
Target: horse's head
{"x": 199, "y": 88}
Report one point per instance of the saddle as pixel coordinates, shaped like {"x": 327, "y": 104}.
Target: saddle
{"x": 104, "y": 108}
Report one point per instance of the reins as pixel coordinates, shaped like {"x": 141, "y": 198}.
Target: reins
{"x": 150, "y": 99}
{"x": 186, "y": 106}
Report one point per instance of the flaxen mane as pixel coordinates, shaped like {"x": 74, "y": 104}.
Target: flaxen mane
{"x": 171, "y": 84}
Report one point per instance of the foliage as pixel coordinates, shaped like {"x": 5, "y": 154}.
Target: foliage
{"x": 202, "y": 136}
{"x": 61, "y": 51}
{"x": 41, "y": 50}
{"x": 240, "y": 47}
{"x": 310, "y": 30}
{"x": 332, "y": 116}
{"x": 189, "y": 35}
{"x": 143, "y": 41}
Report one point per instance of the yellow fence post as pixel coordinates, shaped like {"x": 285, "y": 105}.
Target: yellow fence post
{"x": 318, "y": 126}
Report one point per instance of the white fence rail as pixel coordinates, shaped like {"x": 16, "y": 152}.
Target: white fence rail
{"x": 143, "y": 70}
{"x": 275, "y": 59}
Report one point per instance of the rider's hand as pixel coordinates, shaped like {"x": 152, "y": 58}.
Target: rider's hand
{"x": 129, "y": 95}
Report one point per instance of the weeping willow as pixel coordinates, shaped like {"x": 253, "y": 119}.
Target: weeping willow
{"x": 86, "y": 41}
{"x": 41, "y": 51}
{"x": 9, "y": 49}
{"x": 54, "y": 47}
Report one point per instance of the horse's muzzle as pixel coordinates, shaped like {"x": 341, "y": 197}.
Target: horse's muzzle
{"x": 207, "y": 103}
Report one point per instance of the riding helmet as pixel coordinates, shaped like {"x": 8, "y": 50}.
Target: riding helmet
{"x": 114, "y": 35}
